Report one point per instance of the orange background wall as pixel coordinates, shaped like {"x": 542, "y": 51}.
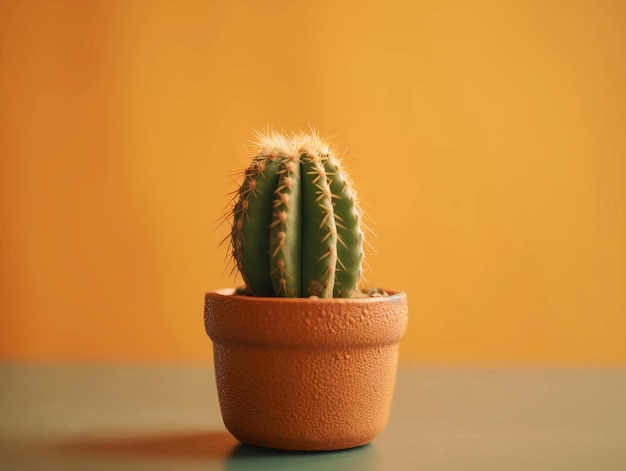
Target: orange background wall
{"x": 488, "y": 139}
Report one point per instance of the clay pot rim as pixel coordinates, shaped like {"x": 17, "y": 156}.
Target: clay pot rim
{"x": 297, "y": 322}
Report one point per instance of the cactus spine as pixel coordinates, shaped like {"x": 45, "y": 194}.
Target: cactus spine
{"x": 296, "y": 229}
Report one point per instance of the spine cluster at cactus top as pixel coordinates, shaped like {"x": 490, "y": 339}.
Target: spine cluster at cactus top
{"x": 296, "y": 229}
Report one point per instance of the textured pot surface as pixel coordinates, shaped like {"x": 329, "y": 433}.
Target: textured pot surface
{"x": 305, "y": 374}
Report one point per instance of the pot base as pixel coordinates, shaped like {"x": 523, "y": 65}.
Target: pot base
{"x": 291, "y": 445}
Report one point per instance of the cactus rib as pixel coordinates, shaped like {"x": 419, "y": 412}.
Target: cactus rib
{"x": 285, "y": 239}
{"x": 349, "y": 232}
{"x": 319, "y": 233}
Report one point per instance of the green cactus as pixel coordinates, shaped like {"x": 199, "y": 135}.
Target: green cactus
{"x": 296, "y": 229}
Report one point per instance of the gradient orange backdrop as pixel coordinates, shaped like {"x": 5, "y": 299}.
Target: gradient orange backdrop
{"x": 487, "y": 139}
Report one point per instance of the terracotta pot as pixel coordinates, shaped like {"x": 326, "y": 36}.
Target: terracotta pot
{"x": 305, "y": 374}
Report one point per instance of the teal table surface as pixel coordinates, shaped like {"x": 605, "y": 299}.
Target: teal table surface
{"x": 167, "y": 418}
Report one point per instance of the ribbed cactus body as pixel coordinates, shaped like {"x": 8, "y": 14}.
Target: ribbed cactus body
{"x": 296, "y": 226}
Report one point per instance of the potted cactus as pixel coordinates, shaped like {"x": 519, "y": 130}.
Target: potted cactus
{"x": 304, "y": 358}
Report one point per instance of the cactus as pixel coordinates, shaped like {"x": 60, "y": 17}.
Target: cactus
{"x": 296, "y": 229}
